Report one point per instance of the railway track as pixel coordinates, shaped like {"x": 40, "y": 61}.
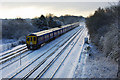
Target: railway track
{"x": 17, "y": 54}
{"x": 10, "y": 51}
{"x": 16, "y": 73}
{"x": 10, "y": 55}
{"x": 55, "y": 58}
{"x": 15, "y": 60}
{"x": 62, "y": 60}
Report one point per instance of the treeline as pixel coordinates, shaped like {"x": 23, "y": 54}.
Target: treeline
{"x": 51, "y": 21}
{"x": 104, "y": 27}
{"x": 18, "y": 28}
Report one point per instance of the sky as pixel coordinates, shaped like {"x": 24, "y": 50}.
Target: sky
{"x": 34, "y": 8}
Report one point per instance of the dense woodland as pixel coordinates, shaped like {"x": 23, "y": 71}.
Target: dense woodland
{"x": 104, "y": 30}
{"x": 18, "y": 28}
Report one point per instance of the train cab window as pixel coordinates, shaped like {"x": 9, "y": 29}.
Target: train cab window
{"x": 34, "y": 39}
{"x": 28, "y": 39}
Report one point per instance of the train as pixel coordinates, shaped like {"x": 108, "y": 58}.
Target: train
{"x": 35, "y": 40}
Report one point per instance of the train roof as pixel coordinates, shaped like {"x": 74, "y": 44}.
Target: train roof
{"x": 69, "y": 25}
{"x": 51, "y": 30}
{"x": 44, "y": 32}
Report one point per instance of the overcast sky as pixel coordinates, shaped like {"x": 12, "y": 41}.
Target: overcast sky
{"x": 33, "y": 9}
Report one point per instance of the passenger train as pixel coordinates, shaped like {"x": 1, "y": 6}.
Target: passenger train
{"x": 34, "y": 40}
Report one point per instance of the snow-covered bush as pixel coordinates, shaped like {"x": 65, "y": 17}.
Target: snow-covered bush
{"x": 110, "y": 43}
{"x": 10, "y": 43}
{"x": 104, "y": 27}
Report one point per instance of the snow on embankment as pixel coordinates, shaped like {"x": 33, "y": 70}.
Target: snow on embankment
{"x": 95, "y": 65}
{"x": 7, "y": 44}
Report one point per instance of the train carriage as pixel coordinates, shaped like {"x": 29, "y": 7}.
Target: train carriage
{"x": 34, "y": 40}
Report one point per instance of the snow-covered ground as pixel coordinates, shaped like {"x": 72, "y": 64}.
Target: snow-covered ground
{"x": 15, "y": 67}
{"x": 74, "y": 62}
{"x": 95, "y": 65}
{"x": 8, "y": 44}
{"x": 69, "y": 65}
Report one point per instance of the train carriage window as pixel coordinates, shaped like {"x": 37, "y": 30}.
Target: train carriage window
{"x": 41, "y": 38}
{"x": 51, "y": 34}
{"x": 45, "y": 36}
{"x": 48, "y": 35}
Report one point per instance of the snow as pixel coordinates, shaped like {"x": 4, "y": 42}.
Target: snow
{"x": 96, "y": 65}
{"x": 41, "y": 59}
{"x": 74, "y": 62}
{"x": 7, "y": 44}
{"x": 68, "y": 67}
{"x": 9, "y": 51}
{"x": 16, "y": 67}
{"x": 50, "y": 59}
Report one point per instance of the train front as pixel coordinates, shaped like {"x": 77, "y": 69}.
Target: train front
{"x": 31, "y": 41}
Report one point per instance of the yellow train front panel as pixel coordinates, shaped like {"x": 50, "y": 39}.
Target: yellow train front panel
{"x": 31, "y": 40}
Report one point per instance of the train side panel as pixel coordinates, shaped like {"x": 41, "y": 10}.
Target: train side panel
{"x": 40, "y": 40}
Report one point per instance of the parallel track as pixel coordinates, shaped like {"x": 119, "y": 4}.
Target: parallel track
{"x": 12, "y": 55}
{"x": 63, "y": 59}
{"x": 3, "y": 61}
{"x": 5, "y": 53}
{"x": 39, "y": 57}
{"x": 53, "y": 60}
